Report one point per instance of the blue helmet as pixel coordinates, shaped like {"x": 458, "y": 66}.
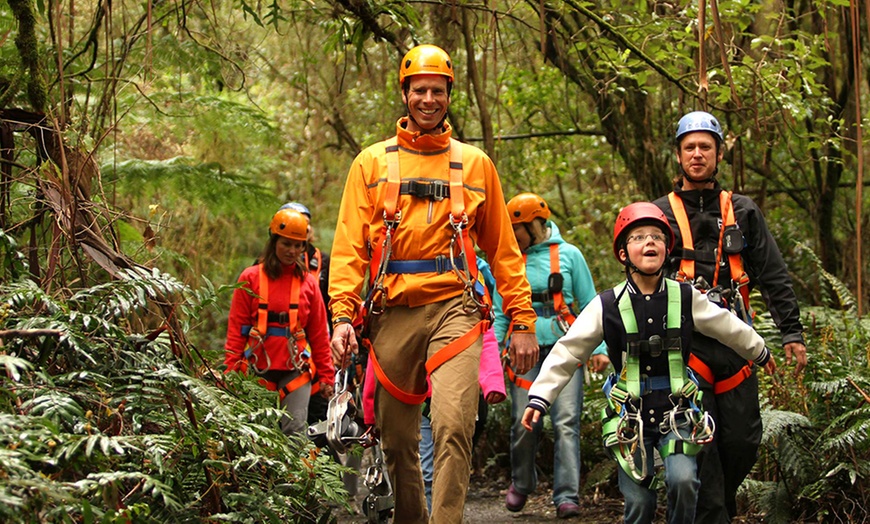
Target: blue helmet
{"x": 296, "y": 206}
{"x": 699, "y": 121}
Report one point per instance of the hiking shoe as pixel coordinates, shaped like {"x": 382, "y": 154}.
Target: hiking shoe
{"x": 514, "y": 500}
{"x": 567, "y": 510}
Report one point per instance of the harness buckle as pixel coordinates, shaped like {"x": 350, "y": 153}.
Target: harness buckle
{"x": 434, "y": 190}
{"x": 655, "y": 346}
{"x": 391, "y": 224}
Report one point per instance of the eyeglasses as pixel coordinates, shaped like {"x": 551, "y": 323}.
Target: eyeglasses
{"x": 638, "y": 239}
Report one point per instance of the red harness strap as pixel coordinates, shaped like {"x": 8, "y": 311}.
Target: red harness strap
{"x": 738, "y": 275}
{"x": 381, "y": 253}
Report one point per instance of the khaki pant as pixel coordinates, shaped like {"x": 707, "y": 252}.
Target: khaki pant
{"x": 403, "y": 339}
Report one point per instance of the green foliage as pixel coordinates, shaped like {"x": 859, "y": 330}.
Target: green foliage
{"x": 815, "y": 454}
{"x": 102, "y": 423}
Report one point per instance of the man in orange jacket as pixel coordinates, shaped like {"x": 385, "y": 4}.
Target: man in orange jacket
{"x": 413, "y": 207}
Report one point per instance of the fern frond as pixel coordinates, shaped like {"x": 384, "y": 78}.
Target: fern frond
{"x": 778, "y": 423}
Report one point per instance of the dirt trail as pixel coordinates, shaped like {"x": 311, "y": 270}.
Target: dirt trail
{"x": 486, "y": 506}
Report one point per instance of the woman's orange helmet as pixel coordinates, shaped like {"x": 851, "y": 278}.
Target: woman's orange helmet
{"x": 426, "y": 60}
{"x": 291, "y": 224}
{"x": 526, "y": 207}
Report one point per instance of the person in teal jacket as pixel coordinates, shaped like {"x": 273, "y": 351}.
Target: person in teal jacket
{"x": 561, "y": 287}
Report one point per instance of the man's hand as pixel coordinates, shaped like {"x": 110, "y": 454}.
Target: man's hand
{"x": 530, "y": 418}
{"x": 770, "y": 367}
{"x": 800, "y": 353}
{"x": 343, "y": 340}
{"x": 599, "y": 362}
{"x": 326, "y": 389}
{"x": 524, "y": 351}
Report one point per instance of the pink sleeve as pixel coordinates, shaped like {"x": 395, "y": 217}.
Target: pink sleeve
{"x": 491, "y": 375}
{"x": 368, "y": 395}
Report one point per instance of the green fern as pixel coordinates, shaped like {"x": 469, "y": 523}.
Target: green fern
{"x": 105, "y": 423}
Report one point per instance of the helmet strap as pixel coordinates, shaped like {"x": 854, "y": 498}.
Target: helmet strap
{"x": 536, "y": 239}
{"x": 630, "y": 268}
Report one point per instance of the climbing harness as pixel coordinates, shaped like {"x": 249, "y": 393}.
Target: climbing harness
{"x": 622, "y": 424}
{"x": 553, "y": 298}
{"x": 554, "y": 307}
{"x": 297, "y": 344}
{"x": 460, "y": 259}
{"x": 735, "y": 297}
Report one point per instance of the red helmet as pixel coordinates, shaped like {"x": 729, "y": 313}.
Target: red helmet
{"x": 526, "y": 207}
{"x": 639, "y": 214}
{"x": 291, "y": 224}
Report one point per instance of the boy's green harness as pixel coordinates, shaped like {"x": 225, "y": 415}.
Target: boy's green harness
{"x": 622, "y": 426}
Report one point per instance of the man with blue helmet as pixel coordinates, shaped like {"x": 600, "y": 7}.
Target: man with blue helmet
{"x": 724, "y": 247}
{"x": 316, "y": 261}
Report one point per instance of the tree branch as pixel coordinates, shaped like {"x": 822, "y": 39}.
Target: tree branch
{"x": 30, "y": 333}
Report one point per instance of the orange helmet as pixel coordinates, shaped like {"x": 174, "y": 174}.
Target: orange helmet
{"x": 526, "y": 207}
{"x": 639, "y": 214}
{"x": 426, "y": 60}
{"x": 291, "y": 224}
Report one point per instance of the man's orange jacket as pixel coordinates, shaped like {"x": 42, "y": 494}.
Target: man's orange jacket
{"x": 424, "y": 231}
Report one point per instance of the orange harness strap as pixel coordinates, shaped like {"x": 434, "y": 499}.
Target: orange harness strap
{"x": 558, "y": 298}
{"x": 392, "y": 215}
{"x": 735, "y": 261}
{"x": 394, "y": 390}
{"x": 738, "y": 275}
{"x": 687, "y": 266}
{"x": 293, "y": 385}
{"x": 722, "y": 386}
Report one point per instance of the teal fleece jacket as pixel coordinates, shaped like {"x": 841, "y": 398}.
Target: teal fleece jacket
{"x": 578, "y": 289}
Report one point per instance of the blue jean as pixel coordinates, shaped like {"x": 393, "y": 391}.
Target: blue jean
{"x": 565, "y": 416}
{"x": 427, "y": 457}
{"x": 681, "y": 479}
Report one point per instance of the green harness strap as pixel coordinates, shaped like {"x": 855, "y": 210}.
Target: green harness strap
{"x": 629, "y": 384}
{"x": 631, "y": 357}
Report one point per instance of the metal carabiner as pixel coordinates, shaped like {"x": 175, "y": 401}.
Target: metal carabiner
{"x": 377, "y": 302}
{"x": 295, "y": 356}
{"x": 637, "y": 443}
{"x": 703, "y": 430}
{"x": 562, "y": 323}
{"x": 252, "y": 357}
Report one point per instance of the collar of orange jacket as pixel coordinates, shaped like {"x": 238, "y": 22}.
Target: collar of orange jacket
{"x": 421, "y": 142}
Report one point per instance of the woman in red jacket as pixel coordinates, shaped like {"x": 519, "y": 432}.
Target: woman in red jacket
{"x": 277, "y": 323}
